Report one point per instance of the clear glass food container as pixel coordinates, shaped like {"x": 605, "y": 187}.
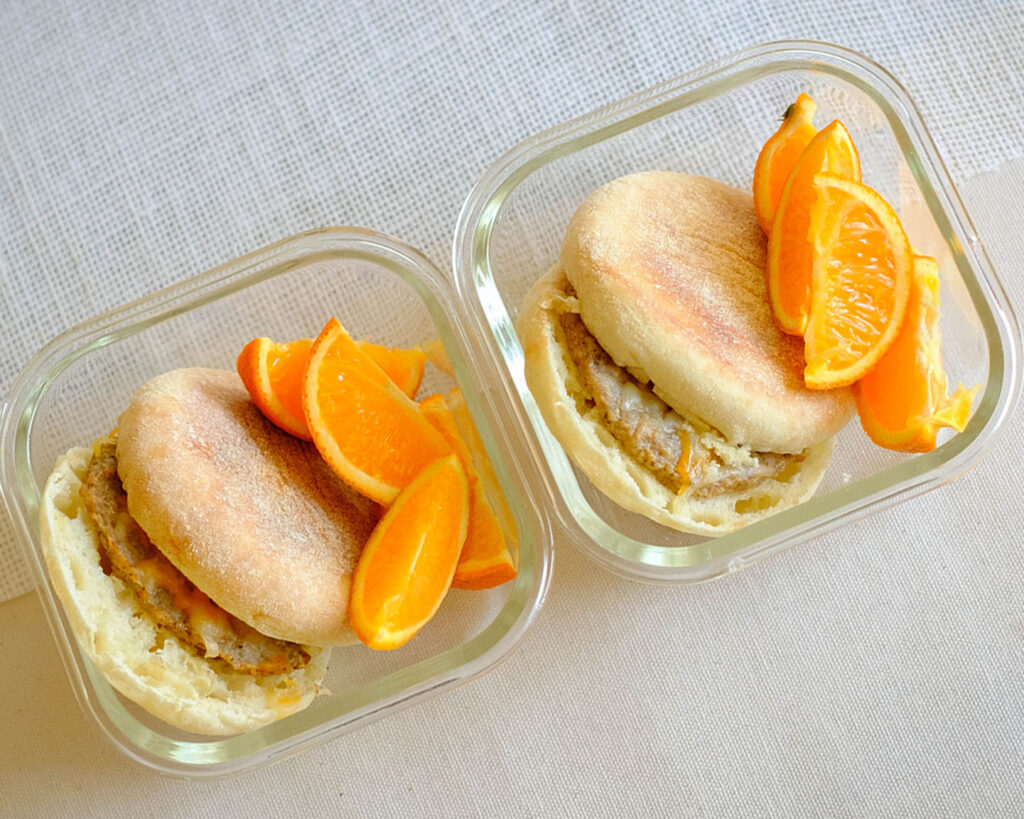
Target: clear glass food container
{"x": 713, "y": 123}
{"x": 73, "y": 391}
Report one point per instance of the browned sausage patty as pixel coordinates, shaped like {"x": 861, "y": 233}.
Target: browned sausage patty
{"x": 651, "y": 431}
{"x": 164, "y": 592}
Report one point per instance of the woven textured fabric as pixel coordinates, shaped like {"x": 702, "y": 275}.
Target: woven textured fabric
{"x": 874, "y": 671}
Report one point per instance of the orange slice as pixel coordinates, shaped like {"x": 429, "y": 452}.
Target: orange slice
{"x": 902, "y": 401}
{"x": 407, "y": 565}
{"x": 790, "y": 257}
{"x": 779, "y": 156}
{"x": 485, "y": 471}
{"x": 486, "y": 560}
{"x": 369, "y": 431}
{"x": 403, "y": 365}
{"x": 436, "y": 355}
{"x": 272, "y": 373}
{"x": 861, "y": 282}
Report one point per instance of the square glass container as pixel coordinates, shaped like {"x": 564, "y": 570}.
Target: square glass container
{"x": 73, "y": 391}
{"x": 713, "y": 123}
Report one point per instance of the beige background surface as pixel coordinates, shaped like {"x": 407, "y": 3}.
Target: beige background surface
{"x": 873, "y": 671}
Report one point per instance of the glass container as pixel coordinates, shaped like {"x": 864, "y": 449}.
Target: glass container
{"x": 713, "y": 122}
{"x": 73, "y": 391}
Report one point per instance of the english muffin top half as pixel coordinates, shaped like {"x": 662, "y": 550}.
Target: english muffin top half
{"x": 669, "y": 271}
{"x": 250, "y": 514}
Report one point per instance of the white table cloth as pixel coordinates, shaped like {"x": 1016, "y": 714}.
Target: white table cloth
{"x": 874, "y": 671}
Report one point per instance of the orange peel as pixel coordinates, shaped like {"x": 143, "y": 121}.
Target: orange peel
{"x": 779, "y": 156}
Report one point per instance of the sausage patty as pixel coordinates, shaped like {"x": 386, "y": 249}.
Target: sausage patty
{"x": 671, "y": 447}
{"x": 165, "y": 593}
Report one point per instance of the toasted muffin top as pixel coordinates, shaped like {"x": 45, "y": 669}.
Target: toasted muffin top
{"x": 251, "y": 515}
{"x": 669, "y": 270}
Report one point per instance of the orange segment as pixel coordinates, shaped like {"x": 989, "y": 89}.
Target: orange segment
{"x": 403, "y": 365}
{"x": 861, "y": 282}
{"x": 435, "y": 409}
{"x": 272, "y": 373}
{"x": 790, "y": 257}
{"x": 485, "y": 471}
{"x": 407, "y": 565}
{"x": 436, "y": 355}
{"x": 902, "y": 401}
{"x": 486, "y": 560}
{"x": 369, "y": 431}
{"x": 779, "y": 156}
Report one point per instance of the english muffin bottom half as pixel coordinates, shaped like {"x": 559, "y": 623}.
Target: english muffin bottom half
{"x": 141, "y": 660}
{"x": 203, "y": 556}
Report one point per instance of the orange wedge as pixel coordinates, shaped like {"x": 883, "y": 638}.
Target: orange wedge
{"x": 272, "y": 373}
{"x": 403, "y": 365}
{"x": 436, "y": 355}
{"x": 407, "y": 565}
{"x": 486, "y": 560}
{"x": 902, "y": 401}
{"x": 779, "y": 156}
{"x": 485, "y": 471}
{"x": 369, "y": 431}
{"x": 790, "y": 257}
{"x": 861, "y": 282}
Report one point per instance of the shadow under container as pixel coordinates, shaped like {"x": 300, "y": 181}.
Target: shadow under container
{"x": 73, "y": 391}
{"x": 713, "y": 123}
